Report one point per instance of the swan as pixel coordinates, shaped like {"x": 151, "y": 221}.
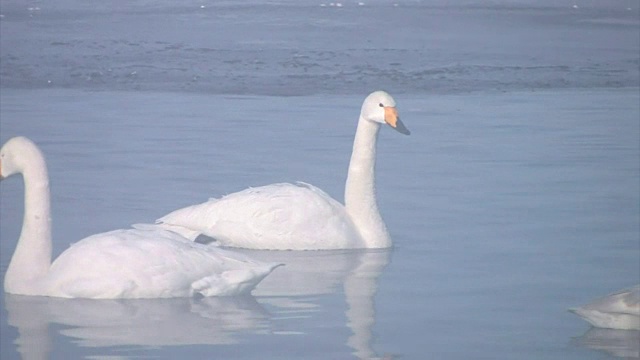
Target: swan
{"x": 620, "y": 310}
{"x": 130, "y": 263}
{"x": 300, "y": 216}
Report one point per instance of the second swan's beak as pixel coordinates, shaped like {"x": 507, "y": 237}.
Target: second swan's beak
{"x": 391, "y": 118}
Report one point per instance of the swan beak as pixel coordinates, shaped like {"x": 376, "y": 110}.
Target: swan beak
{"x": 391, "y": 118}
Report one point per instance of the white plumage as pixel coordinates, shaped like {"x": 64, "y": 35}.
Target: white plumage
{"x": 133, "y": 263}
{"x": 301, "y": 216}
{"x": 620, "y": 310}
{"x": 282, "y": 216}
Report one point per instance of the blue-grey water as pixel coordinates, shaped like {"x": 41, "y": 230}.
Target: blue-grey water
{"x": 516, "y": 196}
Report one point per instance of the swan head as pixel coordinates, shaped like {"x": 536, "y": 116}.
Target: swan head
{"x": 17, "y": 154}
{"x": 380, "y": 107}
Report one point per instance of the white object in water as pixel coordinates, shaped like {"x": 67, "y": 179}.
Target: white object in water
{"x": 620, "y": 310}
{"x": 134, "y": 263}
{"x": 301, "y": 216}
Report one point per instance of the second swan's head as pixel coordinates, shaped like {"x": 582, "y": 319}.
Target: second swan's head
{"x": 19, "y": 154}
{"x": 380, "y": 107}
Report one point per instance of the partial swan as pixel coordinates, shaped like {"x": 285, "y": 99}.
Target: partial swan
{"x": 134, "y": 263}
{"x": 620, "y": 310}
{"x": 300, "y": 216}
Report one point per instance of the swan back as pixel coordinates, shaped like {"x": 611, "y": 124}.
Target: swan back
{"x": 150, "y": 264}
{"x": 277, "y": 217}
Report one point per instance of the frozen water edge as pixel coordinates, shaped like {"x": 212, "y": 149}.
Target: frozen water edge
{"x": 284, "y": 49}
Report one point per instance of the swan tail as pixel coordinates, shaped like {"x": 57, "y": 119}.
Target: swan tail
{"x": 588, "y": 316}
{"x": 233, "y": 282}
{"x": 619, "y": 321}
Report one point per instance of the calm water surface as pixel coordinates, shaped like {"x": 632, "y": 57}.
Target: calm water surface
{"x": 505, "y": 209}
{"x": 516, "y": 196}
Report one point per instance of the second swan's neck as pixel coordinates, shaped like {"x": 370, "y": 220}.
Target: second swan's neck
{"x": 32, "y": 257}
{"x": 360, "y": 189}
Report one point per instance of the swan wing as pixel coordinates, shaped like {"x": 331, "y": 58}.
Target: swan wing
{"x": 279, "y": 216}
{"x": 150, "y": 264}
{"x": 626, "y": 301}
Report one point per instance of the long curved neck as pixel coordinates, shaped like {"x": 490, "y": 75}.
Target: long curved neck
{"x": 32, "y": 258}
{"x": 360, "y": 189}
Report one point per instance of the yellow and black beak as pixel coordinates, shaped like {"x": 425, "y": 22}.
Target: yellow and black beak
{"x": 391, "y": 117}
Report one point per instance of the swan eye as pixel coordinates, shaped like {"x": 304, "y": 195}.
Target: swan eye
{"x": 381, "y": 105}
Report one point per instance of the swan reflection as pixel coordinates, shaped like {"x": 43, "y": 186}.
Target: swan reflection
{"x": 152, "y": 322}
{"x": 308, "y": 273}
{"x": 619, "y": 343}
{"x": 289, "y": 295}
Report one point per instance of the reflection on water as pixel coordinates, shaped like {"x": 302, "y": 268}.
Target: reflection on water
{"x": 325, "y": 272}
{"x": 206, "y": 321}
{"x": 619, "y": 343}
{"x": 360, "y": 288}
{"x": 154, "y": 322}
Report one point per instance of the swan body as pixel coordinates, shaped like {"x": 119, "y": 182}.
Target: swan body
{"x": 301, "y": 216}
{"x": 288, "y": 216}
{"x": 131, "y": 263}
{"x": 620, "y": 310}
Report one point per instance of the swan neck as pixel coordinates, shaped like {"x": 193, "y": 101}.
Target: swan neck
{"x": 360, "y": 189}
{"x": 32, "y": 257}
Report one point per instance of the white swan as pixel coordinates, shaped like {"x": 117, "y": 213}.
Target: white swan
{"x": 301, "y": 216}
{"x": 620, "y": 310}
{"x": 134, "y": 263}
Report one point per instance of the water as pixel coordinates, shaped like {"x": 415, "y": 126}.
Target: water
{"x": 515, "y": 198}
{"x": 298, "y": 47}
